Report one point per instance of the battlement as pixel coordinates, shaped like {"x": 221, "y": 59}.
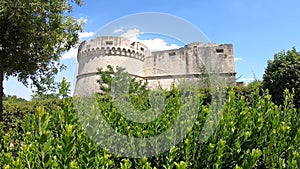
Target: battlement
{"x": 112, "y": 46}
{"x": 110, "y": 51}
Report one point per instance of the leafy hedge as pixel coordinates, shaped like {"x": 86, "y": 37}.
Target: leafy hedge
{"x": 253, "y": 133}
{"x": 283, "y": 72}
{"x": 14, "y": 112}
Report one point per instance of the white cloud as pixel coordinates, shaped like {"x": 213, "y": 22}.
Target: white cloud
{"x": 82, "y": 19}
{"x": 247, "y": 79}
{"x": 121, "y": 29}
{"x": 158, "y": 44}
{"x": 155, "y": 44}
{"x": 238, "y": 59}
{"x": 72, "y": 53}
{"x": 132, "y": 34}
{"x": 86, "y": 34}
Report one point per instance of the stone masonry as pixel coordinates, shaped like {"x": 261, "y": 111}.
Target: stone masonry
{"x": 193, "y": 61}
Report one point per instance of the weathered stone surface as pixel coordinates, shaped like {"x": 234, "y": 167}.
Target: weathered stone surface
{"x": 191, "y": 62}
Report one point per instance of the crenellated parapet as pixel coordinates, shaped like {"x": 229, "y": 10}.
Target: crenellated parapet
{"x": 111, "y": 51}
{"x": 112, "y": 46}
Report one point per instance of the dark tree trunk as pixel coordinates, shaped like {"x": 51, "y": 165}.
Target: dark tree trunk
{"x": 1, "y": 95}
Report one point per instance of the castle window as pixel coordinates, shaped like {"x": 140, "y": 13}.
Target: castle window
{"x": 109, "y": 42}
{"x": 219, "y": 50}
{"x": 172, "y": 53}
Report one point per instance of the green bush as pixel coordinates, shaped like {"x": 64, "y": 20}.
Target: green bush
{"x": 253, "y": 133}
{"x": 239, "y": 91}
{"x": 14, "y": 112}
{"x": 283, "y": 73}
{"x": 12, "y": 98}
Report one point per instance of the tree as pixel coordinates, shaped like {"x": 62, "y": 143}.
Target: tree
{"x": 13, "y": 98}
{"x": 34, "y": 34}
{"x": 117, "y": 83}
{"x": 59, "y": 90}
{"x": 283, "y": 73}
{"x": 112, "y": 79}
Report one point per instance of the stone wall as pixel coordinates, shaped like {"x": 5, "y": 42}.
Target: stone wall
{"x": 191, "y": 62}
{"x": 103, "y": 51}
{"x": 191, "y": 59}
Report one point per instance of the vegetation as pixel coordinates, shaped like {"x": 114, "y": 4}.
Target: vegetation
{"x": 16, "y": 109}
{"x": 117, "y": 80}
{"x": 283, "y": 73}
{"x": 34, "y": 34}
{"x": 14, "y": 98}
{"x": 55, "y": 93}
{"x": 253, "y": 133}
{"x": 15, "y": 112}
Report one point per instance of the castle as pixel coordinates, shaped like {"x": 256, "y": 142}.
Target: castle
{"x": 159, "y": 67}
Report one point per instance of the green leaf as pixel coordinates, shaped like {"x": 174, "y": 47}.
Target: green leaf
{"x": 93, "y": 153}
{"x": 69, "y": 148}
{"x": 46, "y": 159}
{"x": 85, "y": 147}
{"x": 43, "y": 138}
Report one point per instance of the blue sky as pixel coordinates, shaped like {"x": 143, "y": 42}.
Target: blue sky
{"x": 257, "y": 29}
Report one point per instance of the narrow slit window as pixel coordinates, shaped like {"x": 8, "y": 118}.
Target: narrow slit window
{"x": 172, "y": 54}
{"x": 109, "y": 42}
{"x": 219, "y": 50}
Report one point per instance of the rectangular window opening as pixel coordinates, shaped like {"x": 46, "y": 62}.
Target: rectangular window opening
{"x": 219, "y": 50}
{"x": 172, "y": 53}
{"x": 109, "y": 42}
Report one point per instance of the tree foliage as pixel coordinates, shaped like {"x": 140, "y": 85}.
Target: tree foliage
{"x": 116, "y": 82}
{"x": 60, "y": 90}
{"x": 34, "y": 34}
{"x": 16, "y": 109}
{"x": 13, "y": 98}
{"x": 283, "y": 73}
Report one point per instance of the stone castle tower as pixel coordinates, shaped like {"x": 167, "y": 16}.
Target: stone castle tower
{"x": 160, "y": 67}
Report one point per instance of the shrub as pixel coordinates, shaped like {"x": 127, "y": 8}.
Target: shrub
{"x": 253, "y": 133}
{"x": 15, "y": 112}
{"x": 283, "y": 73}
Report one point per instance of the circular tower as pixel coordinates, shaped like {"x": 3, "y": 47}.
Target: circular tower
{"x": 103, "y": 51}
